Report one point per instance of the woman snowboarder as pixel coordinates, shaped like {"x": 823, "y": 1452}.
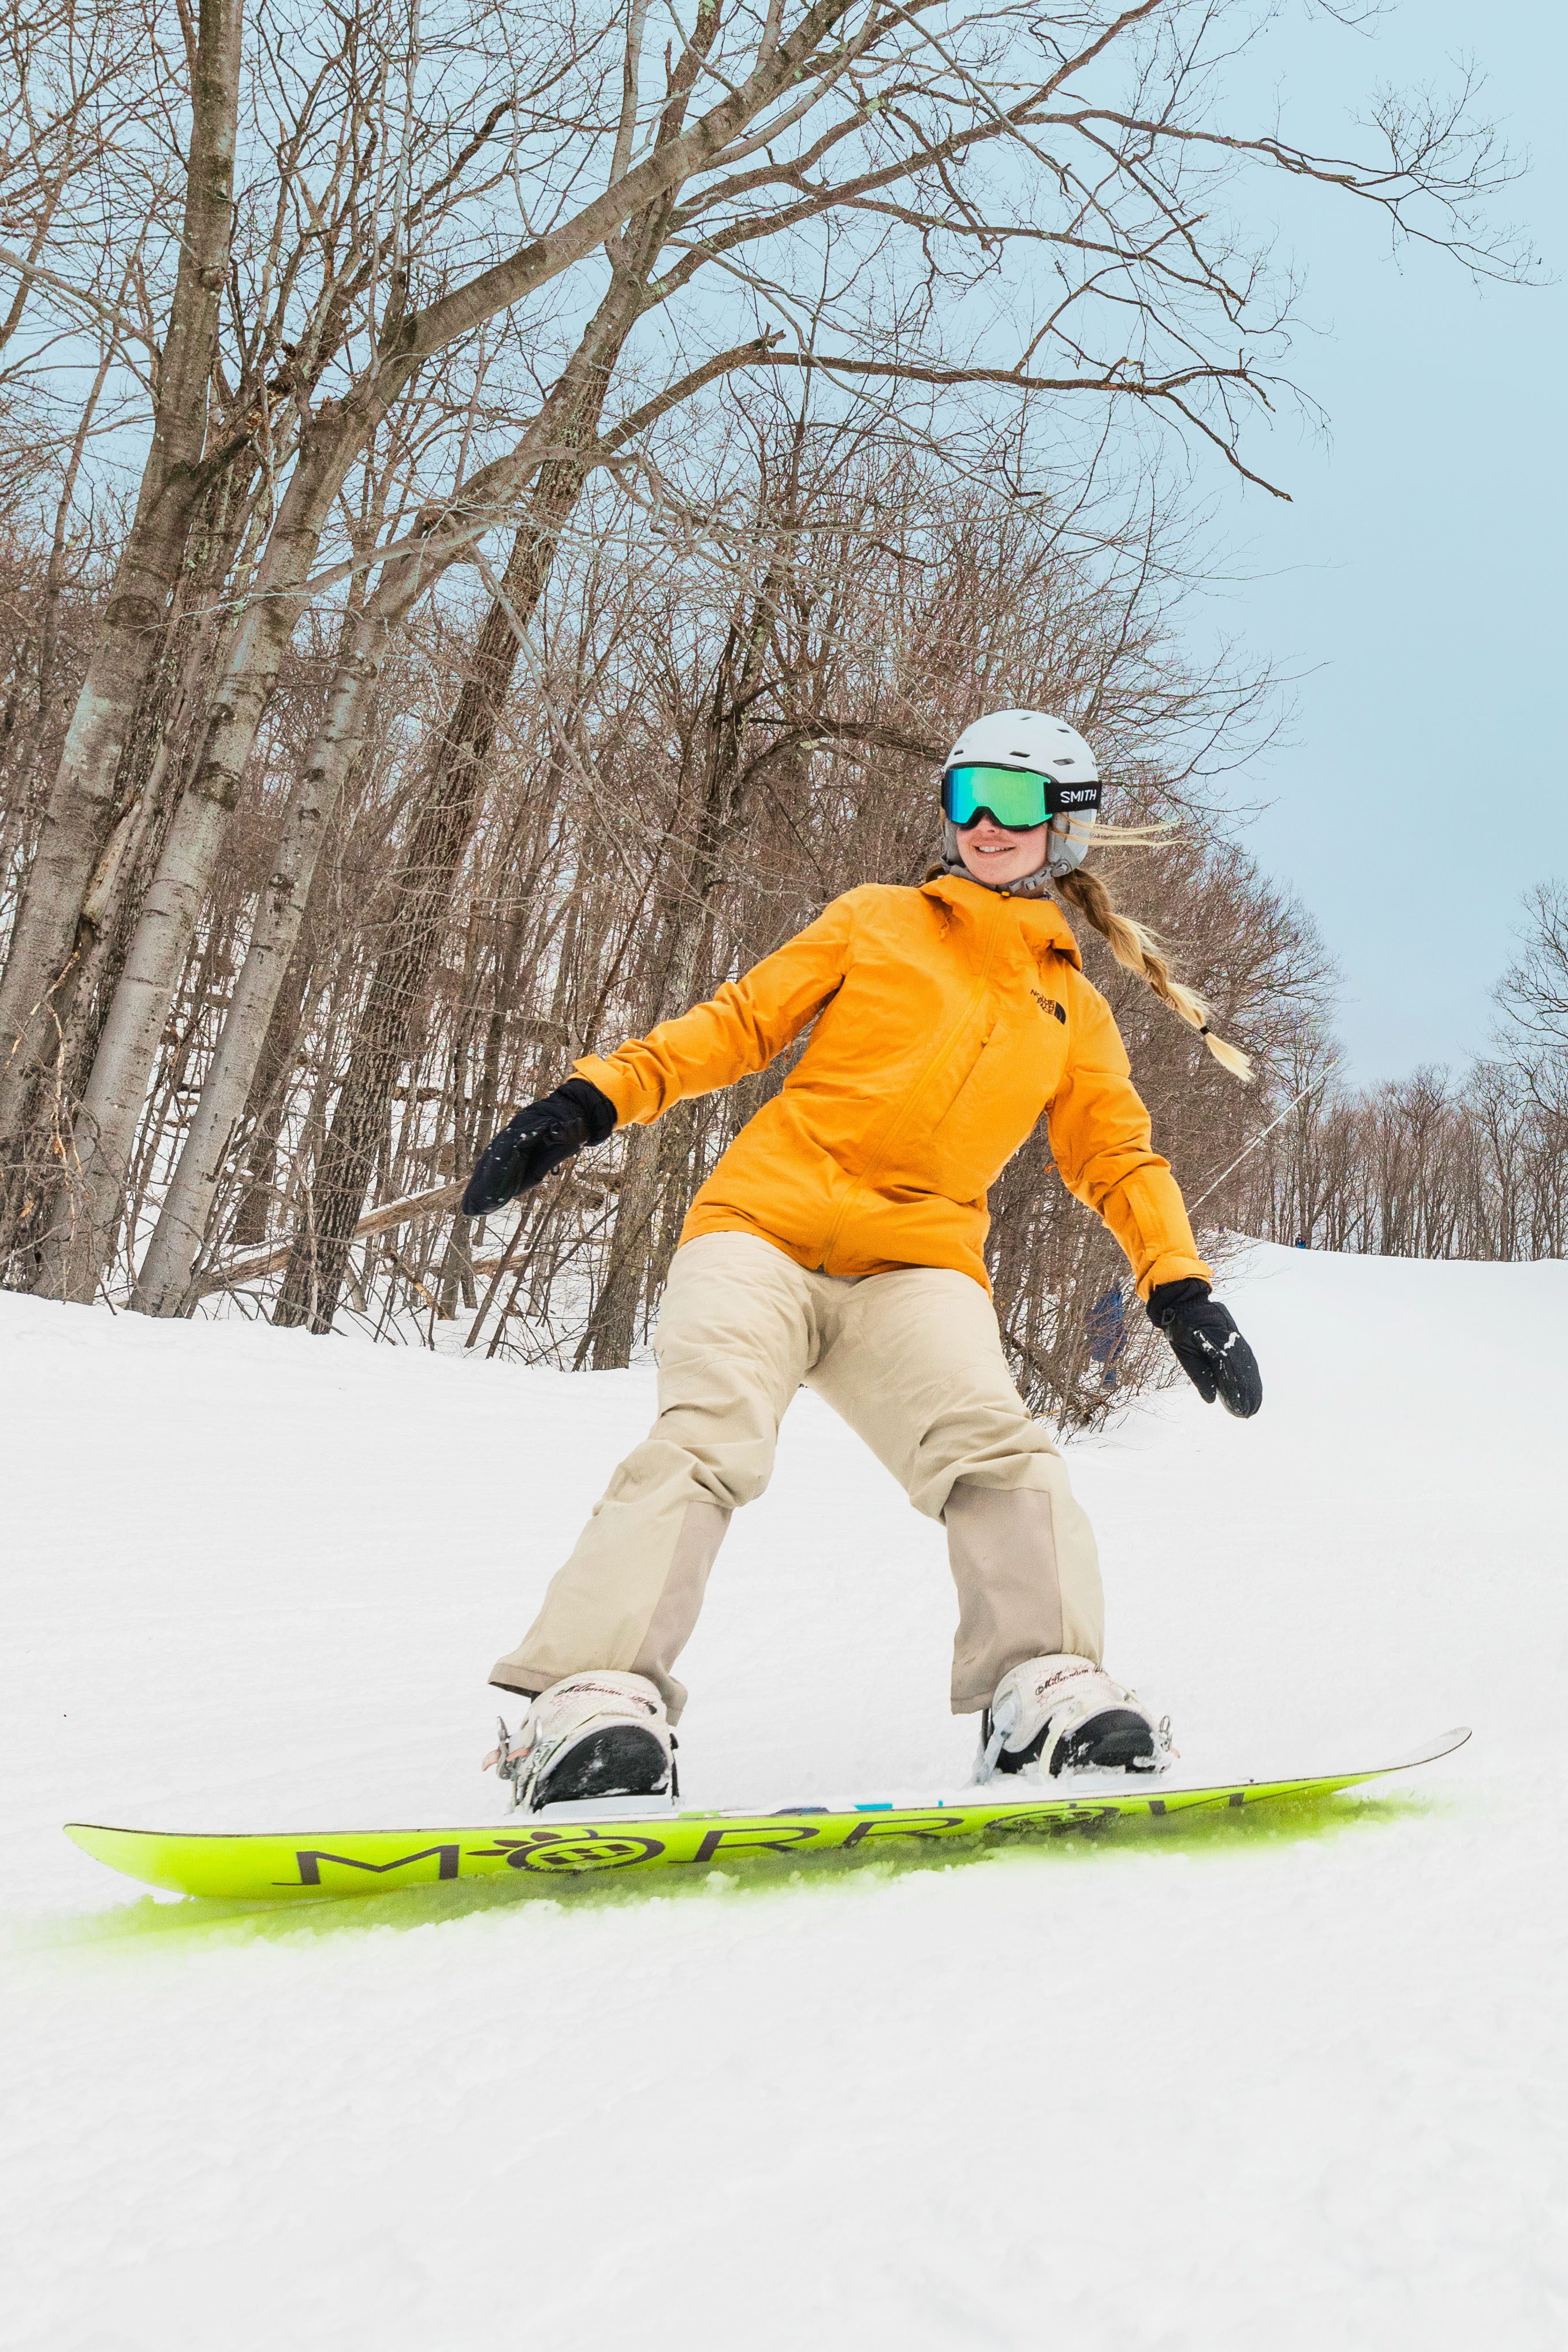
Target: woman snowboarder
{"x": 840, "y": 1243}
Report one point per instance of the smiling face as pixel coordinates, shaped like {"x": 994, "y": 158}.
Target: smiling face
{"x": 1000, "y": 853}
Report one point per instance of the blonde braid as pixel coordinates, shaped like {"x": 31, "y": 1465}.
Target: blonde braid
{"x": 1136, "y": 948}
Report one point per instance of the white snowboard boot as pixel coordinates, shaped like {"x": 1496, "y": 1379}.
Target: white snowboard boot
{"x": 594, "y": 1734}
{"x": 1065, "y": 1715}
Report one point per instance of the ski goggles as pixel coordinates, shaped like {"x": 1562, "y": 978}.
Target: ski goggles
{"x": 1016, "y": 797}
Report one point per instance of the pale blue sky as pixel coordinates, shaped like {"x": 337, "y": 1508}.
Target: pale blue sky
{"x": 1416, "y": 579}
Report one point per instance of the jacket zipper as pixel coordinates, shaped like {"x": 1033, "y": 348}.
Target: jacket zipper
{"x": 901, "y": 1117}
{"x": 964, "y": 1082}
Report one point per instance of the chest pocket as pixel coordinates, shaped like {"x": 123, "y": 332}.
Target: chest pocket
{"x": 966, "y": 1069}
{"x": 1004, "y": 1092}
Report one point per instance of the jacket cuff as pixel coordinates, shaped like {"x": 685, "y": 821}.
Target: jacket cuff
{"x": 595, "y": 1105}
{"x": 1173, "y": 1266}
{"x": 619, "y": 1088}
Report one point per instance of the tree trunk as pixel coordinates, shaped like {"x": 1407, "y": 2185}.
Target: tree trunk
{"x": 47, "y": 1073}
{"x": 82, "y": 812}
{"x": 80, "y": 1236}
{"x": 612, "y": 1332}
{"x": 683, "y": 953}
{"x": 165, "y": 1283}
{"x": 428, "y": 871}
{"x": 262, "y": 1113}
{"x": 421, "y": 899}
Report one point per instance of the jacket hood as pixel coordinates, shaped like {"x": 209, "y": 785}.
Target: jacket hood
{"x": 1040, "y": 921}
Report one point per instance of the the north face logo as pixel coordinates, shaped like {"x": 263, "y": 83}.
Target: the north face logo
{"x": 1048, "y": 1004}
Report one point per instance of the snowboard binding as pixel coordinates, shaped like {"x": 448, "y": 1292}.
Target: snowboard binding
{"x": 588, "y": 1737}
{"x": 1065, "y": 1715}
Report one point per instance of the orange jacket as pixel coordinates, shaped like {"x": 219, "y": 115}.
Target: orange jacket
{"x": 947, "y": 1020}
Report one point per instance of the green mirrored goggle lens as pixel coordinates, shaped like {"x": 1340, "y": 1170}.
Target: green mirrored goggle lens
{"x": 1012, "y": 796}
{"x": 1015, "y": 796}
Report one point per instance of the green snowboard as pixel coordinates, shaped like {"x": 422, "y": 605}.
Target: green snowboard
{"x": 646, "y": 1837}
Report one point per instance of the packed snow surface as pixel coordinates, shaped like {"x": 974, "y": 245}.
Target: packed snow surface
{"x": 1264, "y": 2086}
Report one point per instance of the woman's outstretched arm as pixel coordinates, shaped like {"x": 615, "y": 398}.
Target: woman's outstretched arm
{"x": 739, "y": 1030}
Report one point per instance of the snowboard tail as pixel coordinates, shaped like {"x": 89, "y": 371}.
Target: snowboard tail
{"x": 371, "y": 1861}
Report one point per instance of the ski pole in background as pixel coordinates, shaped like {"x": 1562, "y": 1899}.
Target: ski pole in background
{"x": 1310, "y": 1085}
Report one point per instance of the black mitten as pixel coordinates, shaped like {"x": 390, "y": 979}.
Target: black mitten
{"x": 540, "y": 1138}
{"x": 1209, "y": 1346}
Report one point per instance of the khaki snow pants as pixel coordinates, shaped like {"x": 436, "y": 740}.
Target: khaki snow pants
{"x": 912, "y": 1361}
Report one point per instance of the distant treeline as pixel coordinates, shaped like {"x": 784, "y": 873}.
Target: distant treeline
{"x": 1436, "y": 1165}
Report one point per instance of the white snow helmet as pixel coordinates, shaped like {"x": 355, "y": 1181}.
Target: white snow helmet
{"x": 1033, "y": 743}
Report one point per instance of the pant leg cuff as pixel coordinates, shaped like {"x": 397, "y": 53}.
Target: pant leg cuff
{"x": 518, "y": 1681}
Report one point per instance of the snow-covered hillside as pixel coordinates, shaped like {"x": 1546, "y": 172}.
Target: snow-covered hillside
{"x": 1280, "y": 2090}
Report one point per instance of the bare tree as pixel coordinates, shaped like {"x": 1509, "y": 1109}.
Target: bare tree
{"x": 79, "y": 817}
{"x": 1532, "y": 995}
{"x": 857, "y": 135}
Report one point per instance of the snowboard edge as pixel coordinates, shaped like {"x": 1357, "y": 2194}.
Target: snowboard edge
{"x": 294, "y": 1866}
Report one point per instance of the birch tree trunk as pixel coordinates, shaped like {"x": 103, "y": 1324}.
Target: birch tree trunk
{"x": 422, "y": 897}
{"x": 263, "y": 1115}
{"x": 576, "y": 403}
{"x": 81, "y": 1234}
{"x": 82, "y": 812}
{"x": 83, "y": 1231}
{"x": 164, "y": 1284}
{"x": 47, "y": 1079}
{"x": 428, "y": 871}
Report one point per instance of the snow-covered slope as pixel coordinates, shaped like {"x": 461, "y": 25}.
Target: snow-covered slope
{"x": 1280, "y": 2090}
